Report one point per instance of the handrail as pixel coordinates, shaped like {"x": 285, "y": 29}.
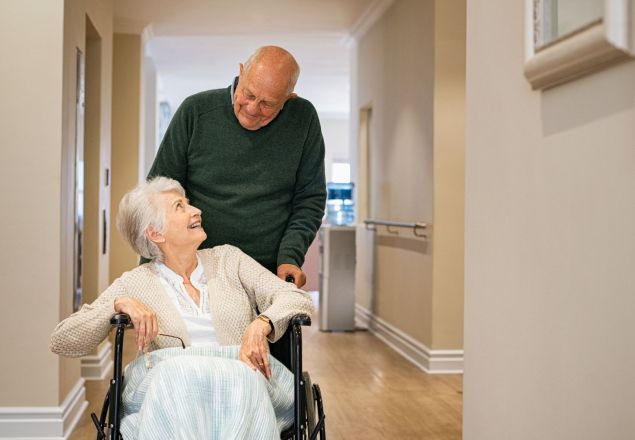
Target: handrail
{"x": 415, "y": 226}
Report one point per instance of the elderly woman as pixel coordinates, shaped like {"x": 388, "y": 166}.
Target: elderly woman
{"x": 224, "y": 385}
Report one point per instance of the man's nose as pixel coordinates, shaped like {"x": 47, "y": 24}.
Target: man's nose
{"x": 253, "y": 107}
{"x": 195, "y": 210}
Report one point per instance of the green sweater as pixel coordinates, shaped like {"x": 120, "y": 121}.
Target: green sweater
{"x": 263, "y": 191}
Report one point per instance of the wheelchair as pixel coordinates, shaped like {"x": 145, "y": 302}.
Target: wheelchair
{"x": 308, "y": 407}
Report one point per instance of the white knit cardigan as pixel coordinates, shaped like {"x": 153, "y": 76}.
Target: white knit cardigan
{"x": 236, "y": 283}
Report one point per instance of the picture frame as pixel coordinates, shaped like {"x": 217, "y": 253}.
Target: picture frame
{"x": 589, "y": 48}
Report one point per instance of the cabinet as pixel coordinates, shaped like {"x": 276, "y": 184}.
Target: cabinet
{"x": 337, "y": 278}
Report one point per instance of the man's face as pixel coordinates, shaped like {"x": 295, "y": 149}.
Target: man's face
{"x": 259, "y": 97}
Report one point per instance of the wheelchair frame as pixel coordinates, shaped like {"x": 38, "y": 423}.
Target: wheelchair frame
{"x": 290, "y": 343}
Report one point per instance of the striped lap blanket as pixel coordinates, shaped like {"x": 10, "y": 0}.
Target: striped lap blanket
{"x": 204, "y": 393}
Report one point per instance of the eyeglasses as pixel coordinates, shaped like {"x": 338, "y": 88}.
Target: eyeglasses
{"x": 148, "y": 361}
{"x": 175, "y": 337}
{"x": 266, "y": 108}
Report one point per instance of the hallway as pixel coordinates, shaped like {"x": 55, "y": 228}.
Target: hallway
{"x": 513, "y": 143}
{"x": 370, "y": 392}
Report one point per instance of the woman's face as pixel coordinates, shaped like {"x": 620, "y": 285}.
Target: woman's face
{"x": 182, "y": 221}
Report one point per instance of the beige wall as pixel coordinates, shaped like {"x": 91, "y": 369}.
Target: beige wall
{"x": 409, "y": 68}
{"x": 92, "y": 164}
{"x": 38, "y": 144}
{"x": 74, "y": 28}
{"x": 97, "y": 119}
{"x": 97, "y": 146}
{"x": 449, "y": 173}
{"x": 126, "y": 138}
{"x": 550, "y": 245}
{"x": 393, "y": 70}
{"x": 30, "y": 229}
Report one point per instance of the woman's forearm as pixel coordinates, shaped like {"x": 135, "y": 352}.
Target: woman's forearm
{"x": 81, "y": 333}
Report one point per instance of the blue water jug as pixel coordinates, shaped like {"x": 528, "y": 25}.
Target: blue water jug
{"x": 340, "y": 208}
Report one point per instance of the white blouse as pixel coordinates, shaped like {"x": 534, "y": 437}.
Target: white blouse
{"x": 198, "y": 319}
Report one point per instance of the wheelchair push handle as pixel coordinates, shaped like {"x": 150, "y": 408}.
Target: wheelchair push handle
{"x": 301, "y": 319}
{"x": 120, "y": 319}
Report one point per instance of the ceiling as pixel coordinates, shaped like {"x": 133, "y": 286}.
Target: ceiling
{"x": 197, "y": 44}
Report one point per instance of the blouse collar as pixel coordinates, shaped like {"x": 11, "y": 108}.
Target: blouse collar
{"x": 197, "y": 277}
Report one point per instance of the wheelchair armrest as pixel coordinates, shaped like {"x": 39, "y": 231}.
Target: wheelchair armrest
{"x": 301, "y": 319}
{"x": 120, "y": 319}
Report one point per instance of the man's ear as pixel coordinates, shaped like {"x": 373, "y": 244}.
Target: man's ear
{"x": 154, "y": 235}
{"x": 240, "y": 69}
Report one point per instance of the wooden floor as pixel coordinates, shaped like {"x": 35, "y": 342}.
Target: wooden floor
{"x": 370, "y": 392}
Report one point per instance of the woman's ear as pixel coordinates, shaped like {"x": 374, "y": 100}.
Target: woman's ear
{"x": 154, "y": 235}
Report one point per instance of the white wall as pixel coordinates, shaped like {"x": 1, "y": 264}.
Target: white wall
{"x": 550, "y": 244}
{"x": 335, "y": 129}
{"x": 149, "y": 119}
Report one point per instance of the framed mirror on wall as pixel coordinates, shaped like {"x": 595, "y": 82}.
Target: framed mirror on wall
{"x": 78, "y": 229}
{"x": 566, "y": 39}
{"x": 556, "y": 19}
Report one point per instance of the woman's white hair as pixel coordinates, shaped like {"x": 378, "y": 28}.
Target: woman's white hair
{"x": 138, "y": 210}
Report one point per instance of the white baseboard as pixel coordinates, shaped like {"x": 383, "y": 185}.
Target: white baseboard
{"x": 430, "y": 361}
{"x": 363, "y": 317}
{"x": 98, "y": 366}
{"x": 44, "y": 423}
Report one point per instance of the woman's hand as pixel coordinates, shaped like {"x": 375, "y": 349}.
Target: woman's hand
{"x": 143, "y": 319}
{"x": 254, "y": 349}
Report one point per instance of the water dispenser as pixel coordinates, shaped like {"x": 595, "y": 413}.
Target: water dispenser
{"x": 340, "y": 208}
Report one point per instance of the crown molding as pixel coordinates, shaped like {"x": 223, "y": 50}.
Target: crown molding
{"x": 370, "y": 16}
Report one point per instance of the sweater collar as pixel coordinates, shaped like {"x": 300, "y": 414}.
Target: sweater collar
{"x": 232, "y": 89}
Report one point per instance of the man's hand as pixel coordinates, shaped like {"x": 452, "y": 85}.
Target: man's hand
{"x": 143, "y": 319}
{"x": 285, "y": 270}
{"x": 254, "y": 349}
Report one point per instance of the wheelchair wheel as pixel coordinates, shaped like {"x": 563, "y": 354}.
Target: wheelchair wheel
{"x": 309, "y": 402}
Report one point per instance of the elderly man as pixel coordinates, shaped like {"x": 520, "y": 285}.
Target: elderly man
{"x": 251, "y": 157}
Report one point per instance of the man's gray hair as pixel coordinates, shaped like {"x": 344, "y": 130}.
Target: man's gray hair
{"x": 138, "y": 209}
